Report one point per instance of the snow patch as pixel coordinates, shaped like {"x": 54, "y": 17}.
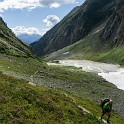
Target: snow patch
{"x": 97, "y": 31}
{"x": 66, "y": 53}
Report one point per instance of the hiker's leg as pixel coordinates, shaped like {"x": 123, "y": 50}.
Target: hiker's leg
{"x": 109, "y": 114}
{"x": 103, "y": 113}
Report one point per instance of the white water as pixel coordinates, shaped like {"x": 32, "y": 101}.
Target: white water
{"x": 116, "y": 78}
{"x": 112, "y": 73}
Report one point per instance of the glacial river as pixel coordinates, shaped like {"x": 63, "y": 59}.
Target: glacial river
{"x": 112, "y": 73}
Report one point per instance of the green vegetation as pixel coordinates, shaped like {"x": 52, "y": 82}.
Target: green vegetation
{"x": 90, "y": 48}
{"x": 86, "y": 48}
{"x": 10, "y": 44}
{"x": 96, "y": 110}
{"x": 115, "y": 55}
{"x": 22, "y": 67}
{"x": 24, "y": 103}
{"x": 31, "y": 92}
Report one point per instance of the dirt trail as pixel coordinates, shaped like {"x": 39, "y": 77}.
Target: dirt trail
{"x": 82, "y": 108}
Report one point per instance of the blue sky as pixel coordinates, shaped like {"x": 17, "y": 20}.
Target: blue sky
{"x": 35, "y": 16}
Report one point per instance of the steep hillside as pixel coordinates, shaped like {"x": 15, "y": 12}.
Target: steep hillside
{"x": 90, "y": 48}
{"x": 21, "y": 103}
{"x": 75, "y": 26}
{"x": 113, "y": 33}
{"x": 10, "y": 44}
{"x": 105, "y": 43}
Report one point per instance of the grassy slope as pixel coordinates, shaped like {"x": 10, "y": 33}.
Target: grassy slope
{"x": 20, "y": 67}
{"x": 23, "y": 103}
{"x": 113, "y": 56}
{"x": 87, "y": 86}
{"x": 90, "y": 48}
{"x": 86, "y": 48}
{"x": 10, "y": 44}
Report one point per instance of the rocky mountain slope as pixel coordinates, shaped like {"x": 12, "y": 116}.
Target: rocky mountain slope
{"x": 75, "y": 26}
{"x": 10, "y": 44}
{"x": 114, "y": 29}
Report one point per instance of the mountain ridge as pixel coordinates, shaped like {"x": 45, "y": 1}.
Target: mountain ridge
{"x": 10, "y": 44}
{"x": 29, "y": 38}
{"x": 75, "y": 26}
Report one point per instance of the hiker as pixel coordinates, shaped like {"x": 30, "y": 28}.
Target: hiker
{"x": 106, "y": 105}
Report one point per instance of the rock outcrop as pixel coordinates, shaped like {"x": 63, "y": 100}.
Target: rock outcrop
{"x": 114, "y": 29}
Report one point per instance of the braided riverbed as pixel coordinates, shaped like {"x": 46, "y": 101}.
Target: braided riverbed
{"x": 112, "y": 73}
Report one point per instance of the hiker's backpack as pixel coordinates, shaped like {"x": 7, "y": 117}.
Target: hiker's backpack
{"x": 104, "y": 101}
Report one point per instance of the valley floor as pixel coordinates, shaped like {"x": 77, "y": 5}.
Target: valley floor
{"x": 112, "y": 73}
{"x": 85, "y": 88}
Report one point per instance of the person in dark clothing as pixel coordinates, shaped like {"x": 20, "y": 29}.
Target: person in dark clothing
{"x": 106, "y": 109}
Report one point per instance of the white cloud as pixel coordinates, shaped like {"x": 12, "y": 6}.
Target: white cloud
{"x": 18, "y": 30}
{"x": 1, "y": 11}
{"x": 51, "y": 20}
{"x": 77, "y": 2}
{"x": 32, "y": 4}
{"x": 54, "y": 5}
{"x": 23, "y": 30}
{"x": 44, "y": 31}
{"x": 50, "y": 2}
{"x": 18, "y": 4}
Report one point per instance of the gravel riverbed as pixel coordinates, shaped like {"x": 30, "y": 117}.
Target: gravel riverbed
{"x": 112, "y": 73}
